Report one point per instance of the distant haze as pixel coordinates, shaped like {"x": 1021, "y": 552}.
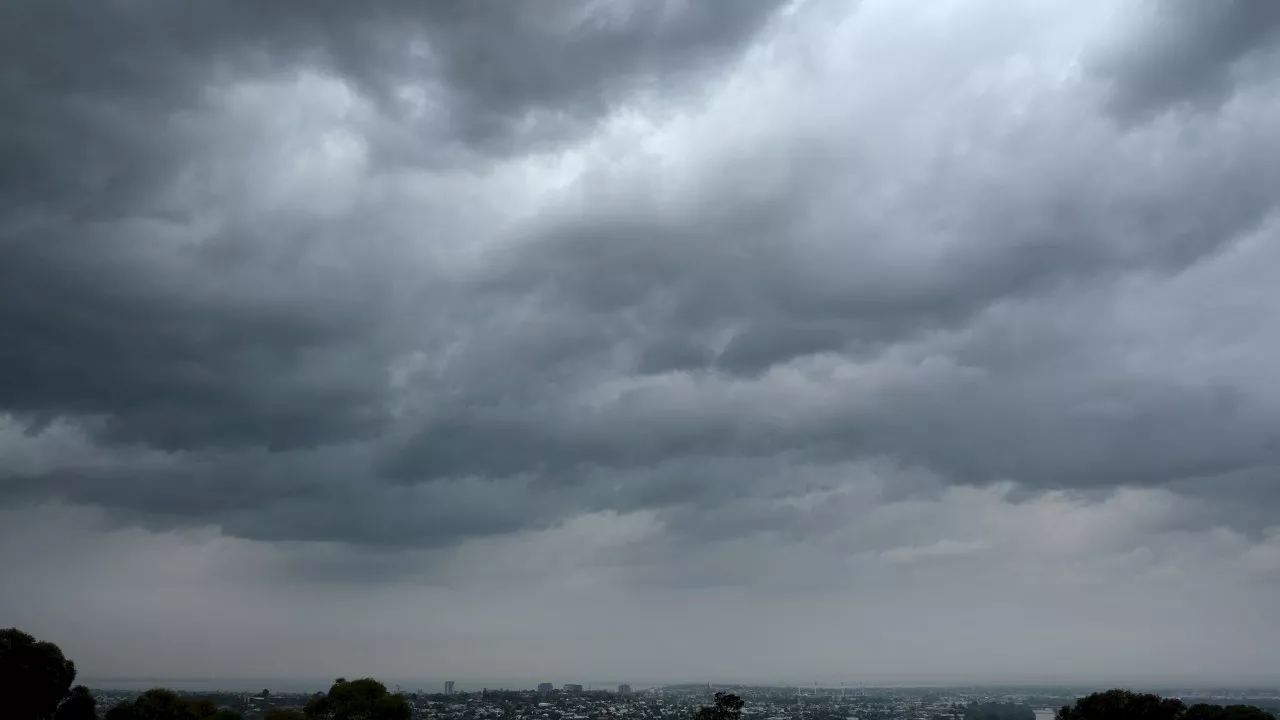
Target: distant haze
{"x": 643, "y": 340}
{"x": 311, "y": 685}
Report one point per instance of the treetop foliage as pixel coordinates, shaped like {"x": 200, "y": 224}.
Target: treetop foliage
{"x": 727, "y": 707}
{"x": 1128, "y": 705}
{"x": 35, "y": 678}
{"x": 162, "y": 704}
{"x": 363, "y": 699}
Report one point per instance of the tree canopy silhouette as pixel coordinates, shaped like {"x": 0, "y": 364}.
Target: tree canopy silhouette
{"x": 364, "y": 699}
{"x": 727, "y": 707}
{"x": 1124, "y": 704}
{"x": 1229, "y": 712}
{"x": 1128, "y": 705}
{"x": 35, "y": 677}
{"x": 163, "y": 704}
{"x": 79, "y": 705}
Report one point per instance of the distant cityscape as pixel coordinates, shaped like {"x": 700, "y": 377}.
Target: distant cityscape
{"x": 578, "y": 701}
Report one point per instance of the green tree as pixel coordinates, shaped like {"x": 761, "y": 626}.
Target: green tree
{"x": 164, "y": 704}
{"x": 1123, "y": 705}
{"x": 727, "y": 707}
{"x": 79, "y": 705}
{"x": 1126, "y": 705}
{"x": 283, "y": 714}
{"x": 364, "y": 699}
{"x": 1202, "y": 711}
{"x": 35, "y": 677}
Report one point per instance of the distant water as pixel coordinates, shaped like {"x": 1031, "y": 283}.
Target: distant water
{"x": 310, "y": 685}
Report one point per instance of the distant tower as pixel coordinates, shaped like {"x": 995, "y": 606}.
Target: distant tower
{"x": 624, "y": 690}
{"x": 448, "y": 687}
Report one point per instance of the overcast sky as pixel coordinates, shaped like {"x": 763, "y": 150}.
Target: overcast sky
{"x": 642, "y": 339}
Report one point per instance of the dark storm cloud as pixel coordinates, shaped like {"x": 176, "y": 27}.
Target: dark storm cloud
{"x": 944, "y": 291}
{"x": 652, "y": 287}
{"x": 91, "y": 88}
{"x": 86, "y": 332}
{"x": 121, "y": 311}
{"x": 97, "y": 92}
{"x": 499, "y": 321}
{"x": 1191, "y": 53}
{"x": 762, "y": 271}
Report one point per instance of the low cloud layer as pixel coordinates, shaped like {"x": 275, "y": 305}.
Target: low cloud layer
{"x": 957, "y": 315}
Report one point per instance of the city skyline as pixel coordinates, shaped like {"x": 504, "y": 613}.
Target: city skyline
{"x": 806, "y": 687}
